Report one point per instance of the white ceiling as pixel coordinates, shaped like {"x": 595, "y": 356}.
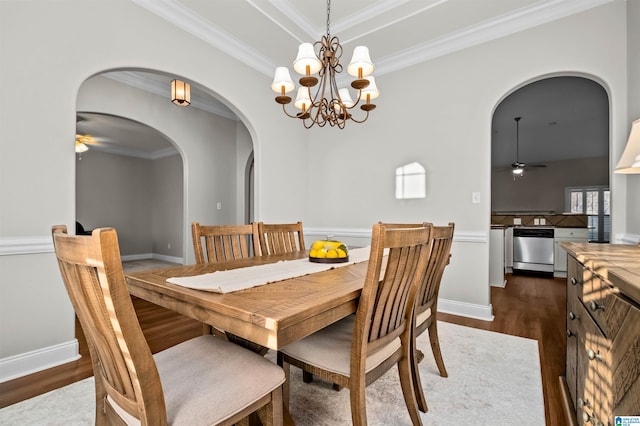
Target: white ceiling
{"x": 399, "y": 33}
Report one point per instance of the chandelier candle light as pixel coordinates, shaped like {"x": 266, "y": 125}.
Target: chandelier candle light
{"x": 328, "y": 104}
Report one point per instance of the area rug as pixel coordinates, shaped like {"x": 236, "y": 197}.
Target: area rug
{"x": 494, "y": 379}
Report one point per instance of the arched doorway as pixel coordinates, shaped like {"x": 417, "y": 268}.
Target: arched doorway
{"x": 134, "y": 187}
{"x": 558, "y": 128}
{"x": 211, "y": 144}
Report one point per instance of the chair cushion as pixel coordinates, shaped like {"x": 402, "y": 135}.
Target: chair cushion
{"x": 422, "y": 317}
{"x": 330, "y": 348}
{"x": 206, "y": 380}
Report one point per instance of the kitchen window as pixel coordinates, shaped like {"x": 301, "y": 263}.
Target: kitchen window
{"x": 595, "y": 202}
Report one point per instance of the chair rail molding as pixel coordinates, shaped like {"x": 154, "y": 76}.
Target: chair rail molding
{"x": 25, "y": 245}
{"x": 364, "y": 234}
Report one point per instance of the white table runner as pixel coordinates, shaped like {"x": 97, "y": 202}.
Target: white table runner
{"x": 242, "y": 278}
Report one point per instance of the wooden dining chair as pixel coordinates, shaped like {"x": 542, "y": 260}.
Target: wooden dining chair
{"x": 360, "y": 348}
{"x": 280, "y": 238}
{"x": 204, "y": 380}
{"x": 224, "y": 242}
{"x": 426, "y": 309}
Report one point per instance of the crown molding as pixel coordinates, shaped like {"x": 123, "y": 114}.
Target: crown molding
{"x": 129, "y": 152}
{"x": 134, "y": 79}
{"x": 522, "y": 19}
{"x": 184, "y": 18}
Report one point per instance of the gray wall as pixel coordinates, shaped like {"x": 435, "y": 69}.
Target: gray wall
{"x": 418, "y": 118}
{"x": 633, "y": 52}
{"x": 543, "y": 189}
{"x": 142, "y": 199}
{"x": 167, "y": 207}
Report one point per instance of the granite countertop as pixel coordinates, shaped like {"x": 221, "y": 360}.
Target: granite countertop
{"x": 617, "y": 263}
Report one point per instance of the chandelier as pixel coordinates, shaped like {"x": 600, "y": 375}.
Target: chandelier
{"x": 326, "y": 103}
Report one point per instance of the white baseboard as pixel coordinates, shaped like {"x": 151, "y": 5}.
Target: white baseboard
{"x": 173, "y": 259}
{"x": 502, "y": 284}
{"x": 463, "y": 309}
{"x": 627, "y": 239}
{"x": 38, "y": 360}
{"x": 143, "y": 256}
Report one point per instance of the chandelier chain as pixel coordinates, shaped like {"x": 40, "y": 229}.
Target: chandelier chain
{"x": 328, "y": 14}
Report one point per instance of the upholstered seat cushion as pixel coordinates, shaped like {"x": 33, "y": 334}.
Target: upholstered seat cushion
{"x": 422, "y": 317}
{"x": 206, "y": 380}
{"x": 330, "y": 348}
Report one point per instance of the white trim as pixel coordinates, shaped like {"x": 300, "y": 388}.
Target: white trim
{"x": 627, "y": 239}
{"x": 135, "y": 153}
{"x": 365, "y": 233}
{"x": 25, "y": 245}
{"x": 501, "y": 26}
{"x": 41, "y": 359}
{"x": 10, "y": 246}
{"x": 141, "y": 256}
{"x": 470, "y": 310}
{"x": 140, "y": 81}
{"x": 189, "y": 21}
{"x": 144, "y": 256}
{"x": 172, "y": 259}
{"x": 539, "y": 13}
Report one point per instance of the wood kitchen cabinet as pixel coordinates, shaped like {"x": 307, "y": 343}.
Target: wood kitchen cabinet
{"x": 602, "y": 374}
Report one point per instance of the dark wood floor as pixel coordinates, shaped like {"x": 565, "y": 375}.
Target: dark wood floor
{"x": 531, "y": 307}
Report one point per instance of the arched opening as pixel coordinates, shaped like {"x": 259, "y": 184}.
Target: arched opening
{"x": 135, "y": 187}
{"x": 199, "y": 147}
{"x": 549, "y": 146}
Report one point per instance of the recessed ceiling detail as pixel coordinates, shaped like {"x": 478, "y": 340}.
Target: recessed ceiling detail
{"x": 399, "y": 33}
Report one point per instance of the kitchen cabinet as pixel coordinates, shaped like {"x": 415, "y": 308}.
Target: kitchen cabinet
{"x": 602, "y": 370}
{"x": 496, "y": 257}
{"x": 508, "y": 249}
{"x": 565, "y": 235}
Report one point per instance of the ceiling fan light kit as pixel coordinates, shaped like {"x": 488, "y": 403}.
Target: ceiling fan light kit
{"x": 80, "y": 147}
{"x": 517, "y": 168}
{"x": 328, "y": 104}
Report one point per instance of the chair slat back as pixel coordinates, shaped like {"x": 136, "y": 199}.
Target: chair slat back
{"x": 281, "y": 238}
{"x": 387, "y": 300}
{"x": 123, "y": 366}
{"x": 442, "y": 239}
{"x": 224, "y": 242}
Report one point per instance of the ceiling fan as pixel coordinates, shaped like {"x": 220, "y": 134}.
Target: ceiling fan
{"x": 82, "y": 141}
{"x": 518, "y": 167}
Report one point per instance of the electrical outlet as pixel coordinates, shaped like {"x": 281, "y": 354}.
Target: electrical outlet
{"x": 475, "y": 197}
{"x": 536, "y": 221}
{"x": 219, "y": 205}
{"x": 517, "y": 221}
{"x": 543, "y": 221}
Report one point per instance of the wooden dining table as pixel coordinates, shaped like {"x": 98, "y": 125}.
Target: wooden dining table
{"x": 270, "y": 315}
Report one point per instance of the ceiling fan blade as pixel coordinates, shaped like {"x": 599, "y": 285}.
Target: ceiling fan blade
{"x": 86, "y": 139}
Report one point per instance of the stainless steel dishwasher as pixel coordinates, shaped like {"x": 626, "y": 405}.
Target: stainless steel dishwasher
{"x": 533, "y": 249}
